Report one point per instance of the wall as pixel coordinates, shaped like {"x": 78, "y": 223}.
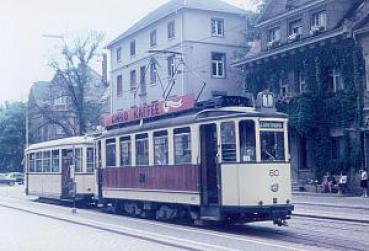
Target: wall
{"x": 197, "y": 48}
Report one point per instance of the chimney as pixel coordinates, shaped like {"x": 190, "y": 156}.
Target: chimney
{"x": 104, "y": 66}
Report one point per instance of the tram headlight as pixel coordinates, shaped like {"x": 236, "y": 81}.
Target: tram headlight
{"x": 274, "y": 187}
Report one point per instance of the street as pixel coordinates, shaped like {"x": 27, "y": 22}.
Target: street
{"x": 24, "y": 221}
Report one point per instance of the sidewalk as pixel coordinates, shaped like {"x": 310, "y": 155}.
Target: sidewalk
{"x": 331, "y": 206}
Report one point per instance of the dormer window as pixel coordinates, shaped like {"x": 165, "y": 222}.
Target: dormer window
{"x": 274, "y": 36}
{"x": 318, "y": 22}
{"x": 295, "y": 30}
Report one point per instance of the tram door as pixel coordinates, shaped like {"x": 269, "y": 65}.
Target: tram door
{"x": 209, "y": 166}
{"x": 67, "y": 181}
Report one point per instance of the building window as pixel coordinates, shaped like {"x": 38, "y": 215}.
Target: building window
{"x": 39, "y": 162}
{"x": 55, "y": 161}
{"x": 125, "y": 151}
{"x": 59, "y": 130}
{"x": 110, "y": 153}
{"x": 143, "y": 80}
{"x": 132, "y": 47}
{"x": 142, "y": 150}
{"x": 119, "y": 55}
{"x": 171, "y": 66}
{"x": 295, "y": 27}
{"x": 78, "y": 160}
{"x": 182, "y": 146}
{"x": 119, "y": 85}
{"x": 218, "y": 65}
{"x": 90, "y": 160}
{"x": 153, "y": 38}
{"x": 46, "y": 162}
{"x": 133, "y": 83}
{"x": 153, "y": 73}
{"x": 62, "y": 100}
{"x": 302, "y": 82}
{"x": 247, "y": 141}
{"x": 31, "y": 163}
{"x": 171, "y": 30}
{"x": 335, "y": 81}
{"x": 319, "y": 21}
{"x": 217, "y": 27}
{"x": 161, "y": 148}
{"x": 274, "y": 35}
{"x": 228, "y": 142}
{"x": 284, "y": 88}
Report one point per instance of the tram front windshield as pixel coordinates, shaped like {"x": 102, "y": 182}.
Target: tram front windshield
{"x": 272, "y": 146}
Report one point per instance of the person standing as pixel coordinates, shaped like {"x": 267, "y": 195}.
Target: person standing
{"x": 364, "y": 182}
{"x": 342, "y": 183}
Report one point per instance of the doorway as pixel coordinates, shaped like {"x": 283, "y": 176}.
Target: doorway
{"x": 209, "y": 164}
{"x": 67, "y": 181}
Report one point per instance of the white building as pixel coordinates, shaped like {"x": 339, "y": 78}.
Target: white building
{"x": 178, "y": 49}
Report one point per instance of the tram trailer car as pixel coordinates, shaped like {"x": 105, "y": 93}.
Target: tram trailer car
{"x": 54, "y": 167}
{"x": 226, "y": 164}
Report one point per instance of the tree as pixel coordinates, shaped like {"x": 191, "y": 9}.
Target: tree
{"x": 12, "y": 136}
{"x": 73, "y": 79}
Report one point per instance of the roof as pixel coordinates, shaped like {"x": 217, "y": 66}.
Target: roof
{"x": 176, "y": 5}
{"x": 79, "y": 140}
{"x": 198, "y": 117}
{"x": 40, "y": 90}
{"x": 275, "y": 8}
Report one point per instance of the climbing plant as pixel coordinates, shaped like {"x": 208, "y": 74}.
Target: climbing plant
{"x": 313, "y": 112}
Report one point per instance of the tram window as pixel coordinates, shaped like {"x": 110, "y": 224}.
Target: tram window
{"x": 247, "y": 141}
{"x": 110, "y": 153}
{"x": 46, "y": 162}
{"x": 272, "y": 146}
{"x": 182, "y": 145}
{"x": 142, "y": 150}
{"x": 161, "y": 148}
{"x": 55, "y": 161}
{"x": 39, "y": 162}
{"x": 228, "y": 142}
{"x": 78, "y": 160}
{"x": 125, "y": 151}
{"x": 31, "y": 163}
{"x": 90, "y": 159}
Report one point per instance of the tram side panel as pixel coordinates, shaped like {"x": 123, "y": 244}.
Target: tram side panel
{"x": 43, "y": 185}
{"x": 166, "y": 184}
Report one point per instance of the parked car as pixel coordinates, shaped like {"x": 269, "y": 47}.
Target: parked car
{"x": 12, "y": 178}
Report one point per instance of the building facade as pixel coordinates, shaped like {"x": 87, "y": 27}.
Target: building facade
{"x": 314, "y": 56}
{"x": 51, "y": 113}
{"x": 183, "y": 47}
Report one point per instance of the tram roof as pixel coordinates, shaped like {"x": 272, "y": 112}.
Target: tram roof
{"x": 194, "y": 117}
{"x": 79, "y": 140}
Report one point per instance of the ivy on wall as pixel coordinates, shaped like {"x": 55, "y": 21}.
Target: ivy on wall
{"x": 318, "y": 109}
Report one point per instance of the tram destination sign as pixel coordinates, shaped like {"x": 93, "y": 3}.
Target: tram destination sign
{"x": 271, "y": 125}
{"x": 152, "y": 110}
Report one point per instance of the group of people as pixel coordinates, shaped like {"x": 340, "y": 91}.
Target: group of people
{"x": 330, "y": 184}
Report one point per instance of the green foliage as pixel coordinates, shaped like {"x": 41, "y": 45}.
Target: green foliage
{"x": 12, "y": 136}
{"x": 314, "y": 112}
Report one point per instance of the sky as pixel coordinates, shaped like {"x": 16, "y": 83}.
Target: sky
{"x": 26, "y": 52}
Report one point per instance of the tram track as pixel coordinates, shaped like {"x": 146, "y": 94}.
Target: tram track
{"x": 241, "y": 234}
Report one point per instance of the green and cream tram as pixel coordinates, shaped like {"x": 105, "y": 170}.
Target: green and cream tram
{"x": 212, "y": 162}
{"x": 62, "y": 169}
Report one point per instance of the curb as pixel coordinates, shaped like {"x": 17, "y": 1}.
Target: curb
{"x": 331, "y": 205}
{"x": 330, "y": 218}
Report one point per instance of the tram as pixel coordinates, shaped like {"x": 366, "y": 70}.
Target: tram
{"x": 62, "y": 169}
{"x": 223, "y": 160}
